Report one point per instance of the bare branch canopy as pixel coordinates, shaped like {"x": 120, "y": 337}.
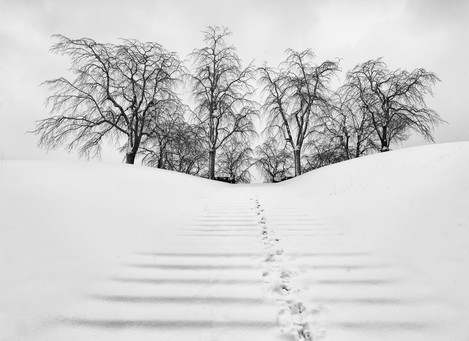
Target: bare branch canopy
{"x": 117, "y": 90}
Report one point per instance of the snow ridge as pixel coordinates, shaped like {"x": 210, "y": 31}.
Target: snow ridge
{"x": 293, "y": 316}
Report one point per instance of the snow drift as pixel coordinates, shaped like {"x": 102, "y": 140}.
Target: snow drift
{"x": 67, "y": 226}
{"x": 412, "y": 204}
{"x": 64, "y": 224}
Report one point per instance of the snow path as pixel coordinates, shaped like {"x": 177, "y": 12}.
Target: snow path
{"x": 348, "y": 292}
{"x": 203, "y": 283}
{"x": 255, "y": 264}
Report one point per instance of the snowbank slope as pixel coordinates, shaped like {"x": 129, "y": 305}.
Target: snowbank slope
{"x": 65, "y": 226}
{"x": 410, "y": 204}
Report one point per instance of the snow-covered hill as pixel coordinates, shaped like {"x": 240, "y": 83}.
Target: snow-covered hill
{"x": 371, "y": 249}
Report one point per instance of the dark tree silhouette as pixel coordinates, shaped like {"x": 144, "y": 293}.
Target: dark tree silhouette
{"x": 235, "y": 161}
{"x": 295, "y": 95}
{"x": 117, "y": 93}
{"x": 323, "y": 152}
{"x": 393, "y": 100}
{"x": 349, "y": 126}
{"x": 177, "y": 147}
{"x": 274, "y": 162}
{"x": 220, "y": 86}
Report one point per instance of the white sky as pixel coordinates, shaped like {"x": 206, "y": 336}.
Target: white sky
{"x": 431, "y": 34}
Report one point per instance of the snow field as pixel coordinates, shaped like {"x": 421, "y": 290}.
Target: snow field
{"x": 204, "y": 285}
{"x": 372, "y": 249}
{"x": 353, "y": 293}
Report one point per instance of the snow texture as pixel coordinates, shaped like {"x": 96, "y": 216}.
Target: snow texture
{"x": 371, "y": 249}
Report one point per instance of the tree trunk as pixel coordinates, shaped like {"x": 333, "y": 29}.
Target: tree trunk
{"x": 347, "y": 147}
{"x": 384, "y": 140}
{"x": 357, "y": 150}
{"x": 160, "y": 158}
{"x": 358, "y": 146}
{"x": 130, "y": 157}
{"x": 296, "y": 155}
{"x": 211, "y": 163}
{"x": 132, "y": 149}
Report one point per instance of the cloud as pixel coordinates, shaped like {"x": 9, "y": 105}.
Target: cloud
{"x": 408, "y": 33}
{"x": 431, "y": 15}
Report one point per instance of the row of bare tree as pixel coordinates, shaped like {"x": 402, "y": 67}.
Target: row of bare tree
{"x": 128, "y": 94}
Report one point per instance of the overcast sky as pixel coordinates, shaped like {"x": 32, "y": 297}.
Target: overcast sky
{"x": 432, "y": 34}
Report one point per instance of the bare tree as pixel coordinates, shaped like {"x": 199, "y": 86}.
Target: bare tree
{"x": 323, "y": 152}
{"x": 393, "y": 100}
{"x": 274, "y": 162}
{"x": 235, "y": 160}
{"x": 164, "y": 132}
{"x": 295, "y": 95}
{"x": 117, "y": 90}
{"x": 178, "y": 146}
{"x": 220, "y": 86}
{"x": 187, "y": 151}
{"x": 349, "y": 126}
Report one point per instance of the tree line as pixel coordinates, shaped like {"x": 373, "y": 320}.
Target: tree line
{"x": 129, "y": 95}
